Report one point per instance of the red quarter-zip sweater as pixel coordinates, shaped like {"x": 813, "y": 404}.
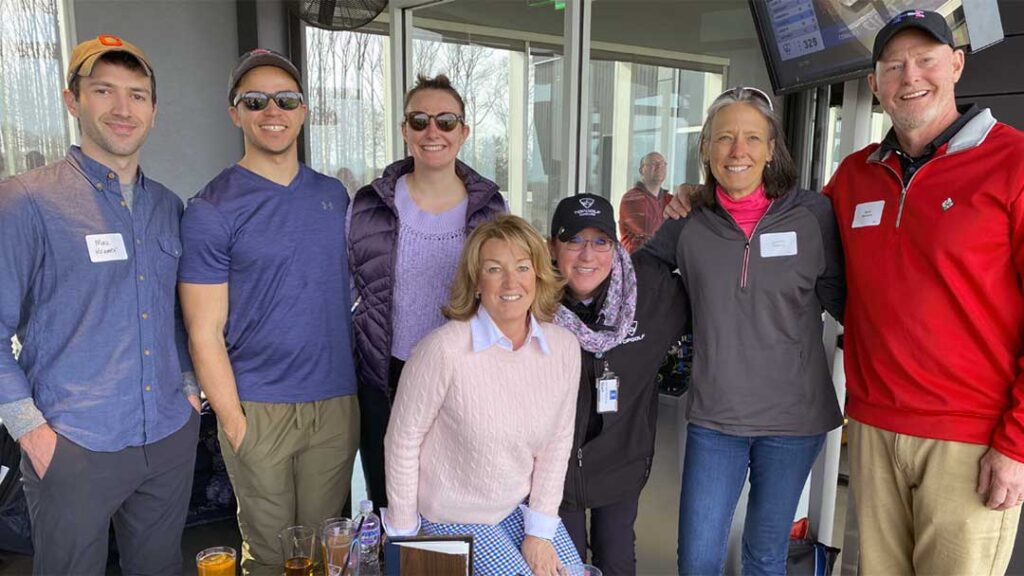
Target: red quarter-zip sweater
{"x": 935, "y": 315}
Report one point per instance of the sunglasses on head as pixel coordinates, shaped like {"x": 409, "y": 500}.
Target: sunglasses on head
{"x": 737, "y": 93}
{"x": 256, "y": 101}
{"x": 445, "y": 121}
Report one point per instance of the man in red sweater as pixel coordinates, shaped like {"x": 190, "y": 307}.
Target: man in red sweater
{"x": 640, "y": 210}
{"x": 932, "y": 223}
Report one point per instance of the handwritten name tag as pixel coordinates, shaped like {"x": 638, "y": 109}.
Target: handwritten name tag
{"x": 106, "y": 247}
{"x": 778, "y": 244}
{"x": 868, "y": 214}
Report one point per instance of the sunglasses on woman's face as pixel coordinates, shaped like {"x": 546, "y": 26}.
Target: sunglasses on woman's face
{"x": 757, "y": 93}
{"x": 256, "y": 101}
{"x": 445, "y": 121}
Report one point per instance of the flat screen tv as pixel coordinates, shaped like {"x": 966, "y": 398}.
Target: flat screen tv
{"x": 808, "y": 43}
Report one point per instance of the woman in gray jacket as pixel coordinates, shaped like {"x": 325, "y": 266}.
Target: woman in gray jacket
{"x": 760, "y": 259}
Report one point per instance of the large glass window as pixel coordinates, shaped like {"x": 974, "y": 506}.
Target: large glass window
{"x": 33, "y": 121}
{"x": 348, "y": 90}
{"x": 652, "y": 78}
{"x": 640, "y": 108}
{"x": 506, "y": 62}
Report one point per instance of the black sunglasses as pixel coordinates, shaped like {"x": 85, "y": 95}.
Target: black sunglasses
{"x": 256, "y": 101}
{"x": 445, "y": 121}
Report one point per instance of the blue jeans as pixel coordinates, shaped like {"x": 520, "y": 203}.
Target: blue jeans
{"x": 713, "y": 474}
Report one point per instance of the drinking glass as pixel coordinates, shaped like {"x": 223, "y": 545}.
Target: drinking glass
{"x": 216, "y": 561}
{"x": 297, "y": 546}
{"x": 337, "y": 538}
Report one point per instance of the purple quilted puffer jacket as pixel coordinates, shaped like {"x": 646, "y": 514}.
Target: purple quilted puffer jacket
{"x": 372, "y": 251}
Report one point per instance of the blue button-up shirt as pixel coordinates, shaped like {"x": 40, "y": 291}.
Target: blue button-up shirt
{"x": 88, "y": 286}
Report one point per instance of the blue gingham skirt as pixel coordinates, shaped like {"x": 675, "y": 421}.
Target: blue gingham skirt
{"x": 496, "y": 549}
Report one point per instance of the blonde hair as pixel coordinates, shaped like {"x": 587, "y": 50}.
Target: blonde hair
{"x": 463, "y": 303}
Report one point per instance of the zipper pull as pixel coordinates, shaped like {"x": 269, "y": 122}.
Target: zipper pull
{"x": 579, "y": 457}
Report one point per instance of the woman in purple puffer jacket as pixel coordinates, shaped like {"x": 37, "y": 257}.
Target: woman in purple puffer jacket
{"x": 406, "y": 232}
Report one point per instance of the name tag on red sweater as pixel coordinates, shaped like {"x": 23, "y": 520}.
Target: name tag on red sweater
{"x": 868, "y": 214}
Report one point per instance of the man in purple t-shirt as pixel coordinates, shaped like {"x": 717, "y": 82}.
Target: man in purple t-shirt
{"x": 265, "y": 292}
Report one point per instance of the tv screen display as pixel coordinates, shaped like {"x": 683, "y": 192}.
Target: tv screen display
{"x": 808, "y": 43}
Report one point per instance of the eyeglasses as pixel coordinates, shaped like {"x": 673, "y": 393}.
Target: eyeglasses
{"x": 445, "y": 121}
{"x": 737, "y": 93}
{"x": 599, "y": 244}
{"x": 256, "y": 101}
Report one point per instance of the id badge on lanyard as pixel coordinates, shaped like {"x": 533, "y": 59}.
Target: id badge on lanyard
{"x": 607, "y": 391}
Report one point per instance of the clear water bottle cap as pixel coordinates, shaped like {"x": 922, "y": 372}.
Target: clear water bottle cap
{"x": 366, "y": 506}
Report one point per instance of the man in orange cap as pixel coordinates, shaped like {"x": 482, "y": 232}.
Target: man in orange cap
{"x": 99, "y": 399}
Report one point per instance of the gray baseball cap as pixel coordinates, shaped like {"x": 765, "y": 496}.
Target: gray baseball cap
{"x": 262, "y": 57}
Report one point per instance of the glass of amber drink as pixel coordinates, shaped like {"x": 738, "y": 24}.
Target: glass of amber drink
{"x": 336, "y": 536}
{"x": 217, "y": 561}
{"x": 297, "y": 546}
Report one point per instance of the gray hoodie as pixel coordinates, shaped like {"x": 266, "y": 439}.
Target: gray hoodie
{"x": 759, "y": 364}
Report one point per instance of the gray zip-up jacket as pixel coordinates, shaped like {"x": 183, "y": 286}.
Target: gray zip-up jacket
{"x": 759, "y": 365}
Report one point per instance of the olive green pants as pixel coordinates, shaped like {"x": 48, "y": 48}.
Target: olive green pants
{"x": 293, "y": 467}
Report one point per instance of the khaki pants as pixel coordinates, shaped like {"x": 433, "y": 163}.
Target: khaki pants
{"x": 917, "y": 508}
{"x": 294, "y": 467}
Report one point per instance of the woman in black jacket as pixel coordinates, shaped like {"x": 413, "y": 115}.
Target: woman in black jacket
{"x": 625, "y": 313}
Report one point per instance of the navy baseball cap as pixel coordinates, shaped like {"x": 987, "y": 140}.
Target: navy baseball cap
{"x": 930, "y": 22}
{"x": 583, "y": 211}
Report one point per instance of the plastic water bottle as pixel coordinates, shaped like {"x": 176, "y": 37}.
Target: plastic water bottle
{"x": 369, "y": 540}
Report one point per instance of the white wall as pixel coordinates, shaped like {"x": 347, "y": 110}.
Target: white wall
{"x": 192, "y": 44}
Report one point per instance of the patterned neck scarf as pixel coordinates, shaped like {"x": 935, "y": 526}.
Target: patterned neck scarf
{"x": 617, "y": 311}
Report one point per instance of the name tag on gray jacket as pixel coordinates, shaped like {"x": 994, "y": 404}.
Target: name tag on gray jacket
{"x": 778, "y": 244}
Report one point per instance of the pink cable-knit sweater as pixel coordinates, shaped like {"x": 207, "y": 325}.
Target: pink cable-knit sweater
{"x": 472, "y": 435}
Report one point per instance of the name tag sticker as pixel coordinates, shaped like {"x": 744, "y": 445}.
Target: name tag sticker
{"x": 778, "y": 244}
{"x": 868, "y": 214}
{"x": 106, "y": 247}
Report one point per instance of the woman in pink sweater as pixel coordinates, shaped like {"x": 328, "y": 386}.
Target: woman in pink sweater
{"x": 481, "y": 430}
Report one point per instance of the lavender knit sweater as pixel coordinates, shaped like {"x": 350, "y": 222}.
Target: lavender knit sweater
{"x": 429, "y": 246}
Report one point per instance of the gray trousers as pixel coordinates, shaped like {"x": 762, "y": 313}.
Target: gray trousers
{"x": 145, "y": 490}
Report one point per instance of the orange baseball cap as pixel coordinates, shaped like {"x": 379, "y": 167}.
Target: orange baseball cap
{"x": 84, "y": 56}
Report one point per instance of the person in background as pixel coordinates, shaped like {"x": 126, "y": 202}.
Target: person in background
{"x": 34, "y": 159}
{"x": 626, "y": 312}
{"x": 99, "y": 399}
{"x": 640, "y": 210}
{"x": 406, "y": 232}
{"x": 932, "y": 221}
{"x": 348, "y": 179}
{"x": 265, "y": 291}
{"x": 482, "y": 425}
{"x": 760, "y": 260}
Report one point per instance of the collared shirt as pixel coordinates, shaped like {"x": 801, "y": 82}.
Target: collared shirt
{"x": 640, "y": 215}
{"x": 89, "y": 288}
{"x": 486, "y": 333}
{"x": 911, "y": 165}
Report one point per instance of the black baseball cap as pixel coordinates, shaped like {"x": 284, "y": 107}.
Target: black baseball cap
{"x": 262, "y": 57}
{"x": 583, "y": 211}
{"x": 931, "y": 22}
